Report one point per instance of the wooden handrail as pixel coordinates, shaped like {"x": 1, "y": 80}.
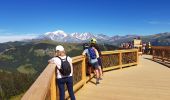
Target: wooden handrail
{"x": 118, "y": 51}
{"x": 41, "y": 86}
{"x": 78, "y": 58}
{"x": 161, "y": 47}
{"x": 161, "y": 53}
{"x": 44, "y": 87}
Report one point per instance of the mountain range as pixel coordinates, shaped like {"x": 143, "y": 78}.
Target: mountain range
{"x": 76, "y": 37}
{"x": 61, "y": 36}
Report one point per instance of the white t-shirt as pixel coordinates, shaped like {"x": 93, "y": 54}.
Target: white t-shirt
{"x": 57, "y": 61}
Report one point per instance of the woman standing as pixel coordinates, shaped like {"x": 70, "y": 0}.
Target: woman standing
{"x": 64, "y": 72}
{"x": 93, "y": 43}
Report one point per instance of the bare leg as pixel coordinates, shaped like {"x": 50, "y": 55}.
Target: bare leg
{"x": 100, "y": 72}
{"x": 97, "y": 76}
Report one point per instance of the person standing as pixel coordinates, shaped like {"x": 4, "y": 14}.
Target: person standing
{"x": 143, "y": 48}
{"x": 92, "y": 56}
{"x": 148, "y": 46}
{"x": 64, "y": 72}
{"x": 93, "y": 43}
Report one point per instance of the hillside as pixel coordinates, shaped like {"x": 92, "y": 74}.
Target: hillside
{"x": 161, "y": 39}
{"x": 24, "y": 61}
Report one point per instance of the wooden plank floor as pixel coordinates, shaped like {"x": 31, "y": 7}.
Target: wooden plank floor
{"x": 147, "y": 81}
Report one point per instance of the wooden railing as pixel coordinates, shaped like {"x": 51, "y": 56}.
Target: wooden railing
{"x": 119, "y": 58}
{"x": 45, "y": 88}
{"x": 161, "y": 53}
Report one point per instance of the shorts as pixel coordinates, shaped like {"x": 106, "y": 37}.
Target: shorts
{"x": 95, "y": 65}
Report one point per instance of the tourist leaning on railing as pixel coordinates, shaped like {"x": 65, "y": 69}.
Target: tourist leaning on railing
{"x": 93, "y": 42}
{"x": 64, "y": 72}
{"x": 92, "y": 54}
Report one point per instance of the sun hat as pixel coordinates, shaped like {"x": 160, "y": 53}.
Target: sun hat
{"x": 59, "y": 48}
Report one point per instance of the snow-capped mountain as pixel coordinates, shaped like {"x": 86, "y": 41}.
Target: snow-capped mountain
{"x": 61, "y": 36}
{"x": 56, "y": 35}
{"x": 83, "y": 36}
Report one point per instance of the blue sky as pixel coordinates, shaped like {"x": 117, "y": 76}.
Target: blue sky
{"x": 110, "y": 17}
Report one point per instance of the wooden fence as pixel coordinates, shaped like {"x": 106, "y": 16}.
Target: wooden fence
{"x": 45, "y": 88}
{"x": 161, "y": 53}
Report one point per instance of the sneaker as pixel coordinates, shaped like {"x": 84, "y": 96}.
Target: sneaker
{"x": 97, "y": 82}
{"x": 100, "y": 78}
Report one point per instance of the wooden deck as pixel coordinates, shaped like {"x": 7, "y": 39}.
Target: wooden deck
{"x": 147, "y": 81}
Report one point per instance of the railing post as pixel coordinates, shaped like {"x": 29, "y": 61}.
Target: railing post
{"x": 54, "y": 92}
{"x": 153, "y": 54}
{"x": 163, "y": 54}
{"x": 120, "y": 60}
{"x": 137, "y": 57}
{"x": 84, "y": 70}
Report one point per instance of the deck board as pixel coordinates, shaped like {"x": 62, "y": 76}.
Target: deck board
{"x": 147, "y": 81}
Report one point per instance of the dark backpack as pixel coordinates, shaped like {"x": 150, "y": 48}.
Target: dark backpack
{"x": 92, "y": 53}
{"x": 65, "y": 69}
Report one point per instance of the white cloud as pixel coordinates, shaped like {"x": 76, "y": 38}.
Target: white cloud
{"x": 7, "y": 38}
{"x": 159, "y": 23}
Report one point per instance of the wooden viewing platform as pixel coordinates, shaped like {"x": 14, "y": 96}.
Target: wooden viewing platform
{"x": 146, "y": 81}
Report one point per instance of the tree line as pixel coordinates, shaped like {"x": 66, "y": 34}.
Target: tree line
{"x": 14, "y": 83}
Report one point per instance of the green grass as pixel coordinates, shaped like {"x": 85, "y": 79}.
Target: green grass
{"x": 5, "y": 71}
{"x": 26, "y": 69}
{"x": 1, "y": 70}
{"x": 48, "y": 42}
{"x": 6, "y": 57}
{"x": 39, "y": 52}
{"x": 17, "y": 97}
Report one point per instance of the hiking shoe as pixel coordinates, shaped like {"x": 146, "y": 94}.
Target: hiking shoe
{"x": 97, "y": 82}
{"x": 100, "y": 78}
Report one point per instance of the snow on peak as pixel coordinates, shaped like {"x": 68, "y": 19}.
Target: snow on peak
{"x": 60, "y": 35}
{"x": 60, "y": 32}
{"x": 82, "y": 36}
{"x": 56, "y": 33}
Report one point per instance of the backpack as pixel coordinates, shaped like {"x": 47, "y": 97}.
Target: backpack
{"x": 65, "y": 69}
{"x": 92, "y": 53}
